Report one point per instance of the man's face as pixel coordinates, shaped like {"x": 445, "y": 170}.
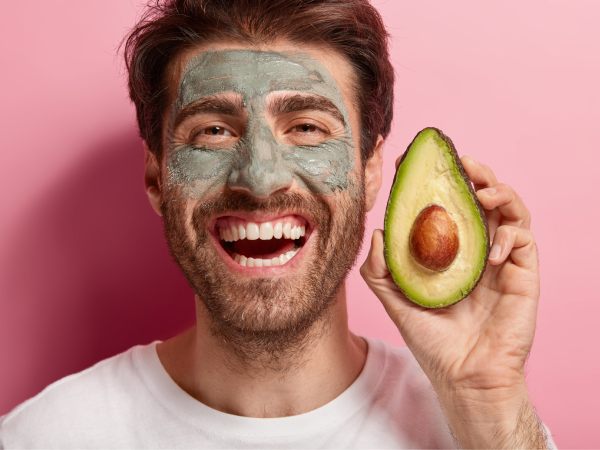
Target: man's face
{"x": 262, "y": 192}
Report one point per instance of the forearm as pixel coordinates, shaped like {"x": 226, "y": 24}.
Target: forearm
{"x": 504, "y": 419}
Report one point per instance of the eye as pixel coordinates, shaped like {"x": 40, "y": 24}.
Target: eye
{"x": 212, "y": 135}
{"x": 216, "y": 131}
{"x": 306, "y": 128}
{"x": 306, "y": 133}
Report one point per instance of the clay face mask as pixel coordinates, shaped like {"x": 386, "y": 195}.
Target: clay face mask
{"x": 259, "y": 161}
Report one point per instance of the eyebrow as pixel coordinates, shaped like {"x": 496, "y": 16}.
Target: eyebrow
{"x": 211, "y": 104}
{"x": 304, "y": 102}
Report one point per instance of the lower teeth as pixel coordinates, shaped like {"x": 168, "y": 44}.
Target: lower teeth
{"x": 260, "y": 262}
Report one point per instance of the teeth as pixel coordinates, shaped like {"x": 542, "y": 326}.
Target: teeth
{"x": 287, "y": 229}
{"x": 278, "y": 230}
{"x": 241, "y": 231}
{"x": 252, "y": 231}
{"x": 259, "y": 262}
{"x": 266, "y": 231}
{"x": 234, "y": 230}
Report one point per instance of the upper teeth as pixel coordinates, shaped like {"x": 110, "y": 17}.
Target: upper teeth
{"x": 234, "y": 230}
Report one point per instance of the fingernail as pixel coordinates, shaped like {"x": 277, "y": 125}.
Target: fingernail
{"x": 490, "y": 191}
{"x": 495, "y": 252}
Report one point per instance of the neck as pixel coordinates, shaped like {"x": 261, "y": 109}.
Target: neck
{"x": 313, "y": 370}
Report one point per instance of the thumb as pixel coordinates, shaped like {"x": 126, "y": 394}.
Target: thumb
{"x": 374, "y": 267}
{"x": 377, "y": 276}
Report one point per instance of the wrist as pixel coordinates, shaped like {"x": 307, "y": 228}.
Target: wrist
{"x": 492, "y": 418}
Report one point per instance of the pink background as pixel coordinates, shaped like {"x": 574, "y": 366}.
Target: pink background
{"x": 84, "y": 271}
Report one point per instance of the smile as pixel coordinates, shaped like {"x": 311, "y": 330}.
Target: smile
{"x": 262, "y": 243}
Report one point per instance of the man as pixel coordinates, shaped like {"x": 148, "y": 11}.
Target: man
{"x": 264, "y": 125}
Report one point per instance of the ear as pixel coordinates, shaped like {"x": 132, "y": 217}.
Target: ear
{"x": 152, "y": 179}
{"x": 373, "y": 174}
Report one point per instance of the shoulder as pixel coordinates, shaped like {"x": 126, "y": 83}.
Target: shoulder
{"x": 75, "y": 401}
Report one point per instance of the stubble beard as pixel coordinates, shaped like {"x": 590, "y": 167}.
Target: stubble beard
{"x": 267, "y": 321}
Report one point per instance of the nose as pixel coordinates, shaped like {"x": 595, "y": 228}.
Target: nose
{"x": 261, "y": 171}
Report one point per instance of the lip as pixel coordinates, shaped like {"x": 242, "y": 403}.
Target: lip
{"x": 269, "y": 271}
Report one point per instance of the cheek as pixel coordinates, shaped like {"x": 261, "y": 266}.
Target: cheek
{"x": 183, "y": 226}
{"x": 197, "y": 171}
{"x": 324, "y": 168}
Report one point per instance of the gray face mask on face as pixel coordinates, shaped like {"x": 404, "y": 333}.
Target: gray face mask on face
{"x": 258, "y": 162}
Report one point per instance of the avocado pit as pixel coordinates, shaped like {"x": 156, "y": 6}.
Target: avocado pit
{"x": 434, "y": 238}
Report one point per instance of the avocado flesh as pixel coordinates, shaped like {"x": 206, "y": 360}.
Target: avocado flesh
{"x": 430, "y": 172}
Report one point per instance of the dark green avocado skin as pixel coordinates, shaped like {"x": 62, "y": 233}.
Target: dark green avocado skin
{"x": 458, "y": 163}
{"x": 387, "y": 243}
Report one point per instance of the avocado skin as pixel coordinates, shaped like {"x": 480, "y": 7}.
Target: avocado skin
{"x": 387, "y": 244}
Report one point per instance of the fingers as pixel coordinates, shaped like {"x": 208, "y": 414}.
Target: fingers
{"x": 480, "y": 174}
{"x": 516, "y": 242}
{"x": 493, "y": 195}
{"x": 508, "y": 202}
{"x": 376, "y": 274}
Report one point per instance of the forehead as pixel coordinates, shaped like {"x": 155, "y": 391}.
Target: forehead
{"x": 255, "y": 73}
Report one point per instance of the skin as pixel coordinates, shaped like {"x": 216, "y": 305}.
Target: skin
{"x": 198, "y": 360}
{"x": 246, "y": 151}
{"x": 473, "y": 352}
{"x": 259, "y": 160}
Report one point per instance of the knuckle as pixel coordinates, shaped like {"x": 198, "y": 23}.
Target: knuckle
{"x": 507, "y": 231}
{"x": 503, "y": 229}
{"x": 508, "y": 191}
{"x": 488, "y": 171}
{"x": 529, "y": 235}
{"x": 364, "y": 271}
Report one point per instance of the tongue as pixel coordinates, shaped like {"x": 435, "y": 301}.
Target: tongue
{"x": 263, "y": 249}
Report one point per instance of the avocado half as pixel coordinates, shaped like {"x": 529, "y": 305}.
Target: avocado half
{"x": 435, "y": 233}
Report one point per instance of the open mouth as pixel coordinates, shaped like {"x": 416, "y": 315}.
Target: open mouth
{"x": 262, "y": 244}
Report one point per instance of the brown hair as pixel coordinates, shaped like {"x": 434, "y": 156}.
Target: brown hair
{"x": 351, "y": 27}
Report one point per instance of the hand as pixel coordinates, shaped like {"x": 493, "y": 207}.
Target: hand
{"x": 475, "y": 349}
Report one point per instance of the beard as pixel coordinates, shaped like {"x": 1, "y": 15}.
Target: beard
{"x": 267, "y": 318}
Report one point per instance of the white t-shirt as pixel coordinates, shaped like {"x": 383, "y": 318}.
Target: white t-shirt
{"x": 130, "y": 401}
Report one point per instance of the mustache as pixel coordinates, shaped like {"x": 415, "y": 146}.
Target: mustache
{"x": 313, "y": 208}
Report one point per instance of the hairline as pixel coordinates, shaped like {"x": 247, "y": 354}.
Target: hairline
{"x": 178, "y": 62}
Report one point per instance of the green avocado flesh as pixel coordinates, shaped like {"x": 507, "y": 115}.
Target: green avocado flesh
{"x": 430, "y": 173}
